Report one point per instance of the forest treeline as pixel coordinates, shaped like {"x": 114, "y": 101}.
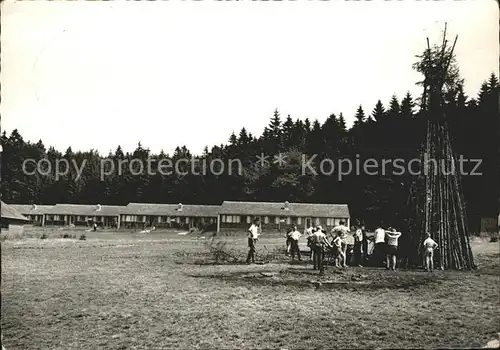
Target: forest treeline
{"x": 388, "y": 131}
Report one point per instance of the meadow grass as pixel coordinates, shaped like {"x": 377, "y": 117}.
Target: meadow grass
{"x": 163, "y": 290}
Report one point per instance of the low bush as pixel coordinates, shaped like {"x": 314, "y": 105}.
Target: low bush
{"x": 83, "y": 237}
{"x": 44, "y": 236}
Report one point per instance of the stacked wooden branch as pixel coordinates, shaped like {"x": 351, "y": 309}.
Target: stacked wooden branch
{"x": 440, "y": 207}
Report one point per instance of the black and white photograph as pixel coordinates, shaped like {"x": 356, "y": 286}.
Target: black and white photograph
{"x": 250, "y": 174}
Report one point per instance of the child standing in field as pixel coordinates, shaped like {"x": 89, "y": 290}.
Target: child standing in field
{"x": 341, "y": 230}
{"x": 337, "y": 250}
{"x": 429, "y": 246}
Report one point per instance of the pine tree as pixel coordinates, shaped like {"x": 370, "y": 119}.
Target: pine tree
{"x": 243, "y": 138}
{"x": 407, "y": 106}
{"x": 342, "y": 123}
{"x": 288, "y": 133}
{"x": 360, "y": 117}
{"x": 379, "y": 113}
{"x": 493, "y": 83}
{"x": 233, "y": 140}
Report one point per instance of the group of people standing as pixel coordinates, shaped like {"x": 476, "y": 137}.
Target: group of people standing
{"x": 336, "y": 247}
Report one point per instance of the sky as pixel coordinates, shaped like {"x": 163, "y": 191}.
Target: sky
{"x": 95, "y": 75}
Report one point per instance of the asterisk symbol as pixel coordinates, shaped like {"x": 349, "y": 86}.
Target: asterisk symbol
{"x": 280, "y": 159}
{"x": 262, "y": 159}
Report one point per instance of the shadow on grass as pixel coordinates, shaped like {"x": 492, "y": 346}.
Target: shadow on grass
{"x": 331, "y": 280}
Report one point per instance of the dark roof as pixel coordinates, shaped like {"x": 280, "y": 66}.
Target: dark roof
{"x": 278, "y": 209}
{"x": 29, "y": 209}
{"x": 172, "y": 210}
{"x": 9, "y": 213}
{"x": 86, "y": 209}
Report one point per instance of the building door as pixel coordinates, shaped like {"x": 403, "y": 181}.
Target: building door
{"x": 307, "y": 223}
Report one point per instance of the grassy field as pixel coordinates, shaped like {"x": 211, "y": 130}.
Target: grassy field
{"x": 163, "y": 290}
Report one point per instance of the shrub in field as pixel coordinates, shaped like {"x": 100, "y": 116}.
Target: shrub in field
{"x": 43, "y": 236}
{"x": 82, "y": 237}
{"x": 494, "y": 239}
{"x": 66, "y": 235}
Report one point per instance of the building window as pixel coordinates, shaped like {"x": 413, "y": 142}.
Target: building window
{"x": 330, "y": 222}
{"x": 249, "y": 219}
{"x": 266, "y": 219}
{"x": 140, "y": 218}
{"x": 299, "y": 221}
{"x": 288, "y": 220}
{"x": 317, "y": 221}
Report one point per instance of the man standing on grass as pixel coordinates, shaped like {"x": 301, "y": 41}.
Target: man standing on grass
{"x": 309, "y": 234}
{"x": 429, "y": 246}
{"x": 379, "y": 250}
{"x": 294, "y": 237}
{"x": 288, "y": 240}
{"x": 319, "y": 243}
{"x": 364, "y": 244}
{"x": 253, "y": 236}
{"x": 392, "y": 248}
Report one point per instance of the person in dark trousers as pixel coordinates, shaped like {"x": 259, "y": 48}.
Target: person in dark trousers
{"x": 358, "y": 243}
{"x": 294, "y": 243}
{"x": 379, "y": 251}
{"x": 253, "y": 236}
{"x": 95, "y": 227}
{"x": 320, "y": 243}
{"x": 288, "y": 240}
{"x": 364, "y": 244}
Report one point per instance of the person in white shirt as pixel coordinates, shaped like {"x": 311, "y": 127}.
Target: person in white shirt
{"x": 429, "y": 246}
{"x": 379, "y": 250}
{"x": 253, "y": 236}
{"x": 392, "y": 248}
{"x": 319, "y": 243}
{"x": 294, "y": 242}
{"x": 309, "y": 233}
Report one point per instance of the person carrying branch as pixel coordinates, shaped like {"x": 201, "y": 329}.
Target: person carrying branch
{"x": 253, "y": 236}
{"x": 319, "y": 244}
{"x": 429, "y": 246}
{"x": 392, "y": 248}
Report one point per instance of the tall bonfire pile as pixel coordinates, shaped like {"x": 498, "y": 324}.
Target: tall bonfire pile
{"x": 438, "y": 199}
